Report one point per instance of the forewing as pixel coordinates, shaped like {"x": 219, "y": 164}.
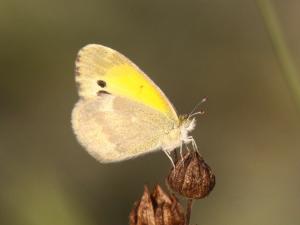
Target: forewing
{"x": 118, "y": 76}
{"x": 113, "y": 128}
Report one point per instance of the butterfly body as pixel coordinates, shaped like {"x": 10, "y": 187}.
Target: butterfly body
{"x": 121, "y": 113}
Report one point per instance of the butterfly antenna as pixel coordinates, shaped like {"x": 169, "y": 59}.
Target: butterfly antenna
{"x": 201, "y": 112}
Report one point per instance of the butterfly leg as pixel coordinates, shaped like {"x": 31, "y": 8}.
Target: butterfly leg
{"x": 181, "y": 154}
{"x": 193, "y": 143}
{"x": 187, "y": 147}
{"x": 169, "y": 156}
{"x": 180, "y": 150}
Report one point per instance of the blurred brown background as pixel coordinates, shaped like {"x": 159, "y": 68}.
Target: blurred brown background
{"x": 191, "y": 49}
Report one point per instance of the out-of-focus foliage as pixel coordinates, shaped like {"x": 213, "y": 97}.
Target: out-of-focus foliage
{"x": 191, "y": 49}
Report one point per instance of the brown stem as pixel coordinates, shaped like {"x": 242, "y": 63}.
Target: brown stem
{"x": 188, "y": 211}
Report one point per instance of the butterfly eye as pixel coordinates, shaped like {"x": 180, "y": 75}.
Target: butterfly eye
{"x": 101, "y": 83}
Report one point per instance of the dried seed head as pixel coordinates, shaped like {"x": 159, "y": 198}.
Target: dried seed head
{"x": 143, "y": 211}
{"x": 156, "y": 209}
{"x": 191, "y": 177}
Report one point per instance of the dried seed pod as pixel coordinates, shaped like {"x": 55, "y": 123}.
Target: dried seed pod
{"x": 191, "y": 177}
{"x": 143, "y": 212}
{"x": 168, "y": 210}
{"x": 157, "y": 209}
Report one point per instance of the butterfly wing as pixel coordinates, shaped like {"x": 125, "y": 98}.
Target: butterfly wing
{"x": 114, "y": 128}
{"x": 100, "y": 69}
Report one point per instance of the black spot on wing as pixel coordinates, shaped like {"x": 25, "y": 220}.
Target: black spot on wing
{"x": 102, "y": 92}
{"x": 101, "y": 83}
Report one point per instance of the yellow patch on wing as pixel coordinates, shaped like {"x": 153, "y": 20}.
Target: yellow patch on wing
{"x": 121, "y": 77}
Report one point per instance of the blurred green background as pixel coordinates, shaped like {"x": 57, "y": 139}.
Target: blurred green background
{"x": 191, "y": 49}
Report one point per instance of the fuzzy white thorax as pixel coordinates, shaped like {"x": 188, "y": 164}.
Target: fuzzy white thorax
{"x": 179, "y": 136}
{"x": 186, "y": 127}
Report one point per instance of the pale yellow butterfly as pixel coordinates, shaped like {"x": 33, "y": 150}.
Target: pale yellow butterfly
{"x": 121, "y": 113}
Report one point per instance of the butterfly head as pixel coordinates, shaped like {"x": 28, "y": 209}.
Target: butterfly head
{"x": 187, "y": 123}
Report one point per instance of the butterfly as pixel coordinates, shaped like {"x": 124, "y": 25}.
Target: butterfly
{"x": 121, "y": 113}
